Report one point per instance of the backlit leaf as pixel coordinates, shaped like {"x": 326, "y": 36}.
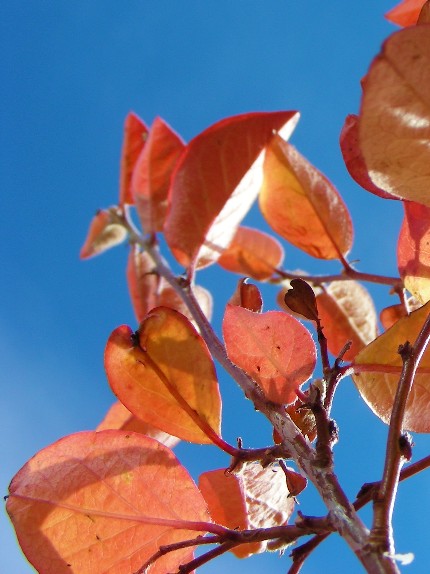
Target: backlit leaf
{"x": 256, "y": 497}
{"x": 273, "y": 348}
{"x": 247, "y": 295}
{"x": 103, "y": 503}
{"x": 390, "y": 315}
{"x": 252, "y": 253}
{"x": 119, "y": 417}
{"x": 383, "y": 364}
{"x": 213, "y": 186}
{"x": 135, "y": 133}
{"x": 149, "y": 290}
{"x": 102, "y": 235}
{"x": 151, "y": 175}
{"x": 406, "y": 13}
{"x": 300, "y": 204}
{"x": 164, "y": 375}
{"x": 347, "y": 313}
{"x": 394, "y": 120}
{"x": 413, "y": 250}
{"x": 353, "y": 158}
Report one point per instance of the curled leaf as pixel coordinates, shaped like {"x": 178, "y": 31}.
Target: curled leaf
{"x": 102, "y": 503}
{"x": 164, "y": 375}
{"x": 273, "y": 348}
{"x": 102, "y": 235}
{"x": 248, "y": 296}
{"x": 135, "y": 134}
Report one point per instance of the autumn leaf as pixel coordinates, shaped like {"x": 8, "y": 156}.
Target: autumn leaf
{"x": 256, "y": 497}
{"x": 135, "y": 134}
{"x": 353, "y": 158}
{"x": 119, "y": 417}
{"x": 300, "y": 204}
{"x": 273, "y": 348}
{"x": 347, "y": 313}
{"x": 213, "y": 185}
{"x": 247, "y": 295}
{"x": 377, "y": 369}
{"x": 148, "y": 290}
{"x": 151, "y": 174}
{"x": 300, "y": 299}
{"x": 252, "y": 253}
{"x": 164, "y": 375}
{"x": 394, "y": 124}
{"x": 413, "y": 250}
{"x": 103, "y": 234}
{"x": 103, "y": 503}
{"x": 406, "y": 13}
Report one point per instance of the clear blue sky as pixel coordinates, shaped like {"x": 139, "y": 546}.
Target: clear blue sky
{"x": 70, "y": 73}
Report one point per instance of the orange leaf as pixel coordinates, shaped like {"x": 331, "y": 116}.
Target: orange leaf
{"x": 119, "y": 417}
{"x": 394, "y": 120}
{"x": 247, "y": 295}
{"x": 378, "y": 368}
{"x": 273, "y": 348}
{"x": 151, "y": 175}
{"x": 135, "y": 134}
{"x": 213, "y": 186}
{"x": 164, "y": 375}
{"x": 390, "y": 315}
{"x": 102, "y": 235}
{"x": 413, "y": 250}
{"x": 347, "y": 313}
{"x": 406, "y": 13}
{"x": 300, "y": 204}
{"x": 103, "y": 503}
{"x": 252, "y": 253}
{"x": 148, "y": 290}
{"x": 353, "y": 158}
{"x": 256, "y": 497}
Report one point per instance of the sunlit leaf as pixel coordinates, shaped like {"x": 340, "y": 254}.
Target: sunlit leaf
{"x": 301, "y": 204}
{"x": 151, "y": 175}
{"x": 103, "y": 503}
{"x": 347, "y": 313}
{"x": 378, "y": 368}
{"x": 102, "y": 235}
{"x": 213, "y": 186}
{"x": 394, "y": 124}
{"x": 390, "y": 315}
{"x": 149, "y": 290}
{"x": 252, "y": 253}
{"x": 135, "y": 133}
{"x": 273, "y": 348}
{"x": 119, "y": 417}
{"x": 256, "y": 497}
{"x": 164, "y": 375}
{"x": 353, "y": 158}
{"x": 413, "y": 250}
{"x": 406, "y": 13}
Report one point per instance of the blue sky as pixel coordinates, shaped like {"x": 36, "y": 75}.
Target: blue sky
{"x": 71, "y": 72}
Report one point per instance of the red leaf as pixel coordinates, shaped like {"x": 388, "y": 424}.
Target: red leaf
{"x": 151, "y": 175}
{"x": 102, "y": 235}
{"x": 256, "y": 497}
{"x": 247, "y": 295}
{"x": 119, "y": 417}
{"x": 413, "y": 250}
{"x": 135, "y": 133}
{"x": 300, "y": 204}
{"x": 103, "y": 503}
{"x": 148, "y": 290}
{"x": 273, "y": 348}
{"x": 252, "y": 253}
{"x": 353, "y": 158}
{"x": 406, "y": 13}
{"x": 394, "y": 122}
{"x": 167, "y": 377}
{"x": 211, "y": 191}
